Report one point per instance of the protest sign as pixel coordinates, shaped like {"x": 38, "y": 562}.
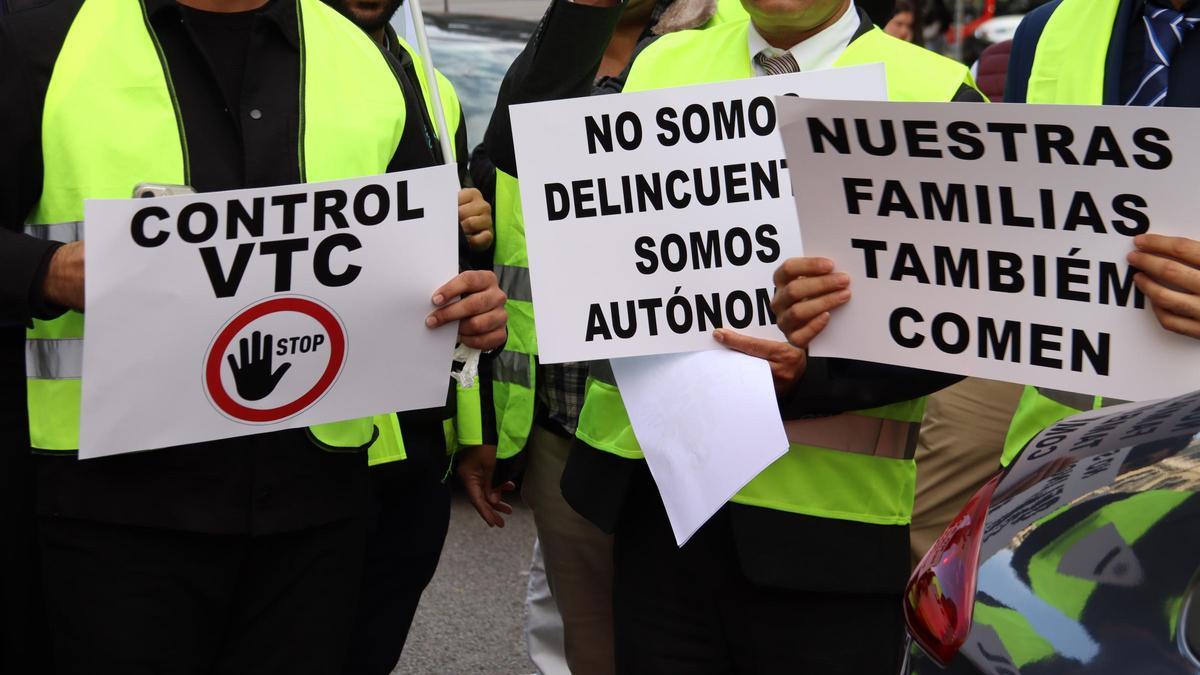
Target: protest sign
{"x": 991, "y": 240}
{"x": 233, "y": 313}
{"x": 655, "y": 217}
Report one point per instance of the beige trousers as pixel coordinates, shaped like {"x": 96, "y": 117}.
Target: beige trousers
{"x": 578, "y": 557}
{"x": 962, "y": 438}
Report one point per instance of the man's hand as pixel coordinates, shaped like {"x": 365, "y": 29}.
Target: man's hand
{"x": 64, "y": 277}
{"x": 1170, "y": 279}
{"x": 806, "y": 290}
{"x": 480, "y": 313}
{"x": 476, "y": 468}
{"x": 475, "y": 218}
{"x": 787, "y": 362}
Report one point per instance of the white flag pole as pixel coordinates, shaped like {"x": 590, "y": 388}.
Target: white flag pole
{"x": 469, "y": 356}
{"x": 435, "y": 94}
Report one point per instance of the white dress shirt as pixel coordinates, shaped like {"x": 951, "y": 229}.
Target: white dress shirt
{"x": 817, "y": 52}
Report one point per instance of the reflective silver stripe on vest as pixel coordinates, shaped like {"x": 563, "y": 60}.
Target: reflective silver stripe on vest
{"x": 64, "y": 232}
{"x": 54, "y": 359}
{"x": 1106, "y": 402}
{"x": 602, "y": 371}
{"x": 513, "y": 368}
{"x": 514, "y": 281}
{"x": 1069, "y": 398}
{"x": 859, "y": 434}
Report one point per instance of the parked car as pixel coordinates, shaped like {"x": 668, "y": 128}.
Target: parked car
{"x": 474, "y": 52}
{"x": 988, "y": 23}
{"x": 1082, "y": 557}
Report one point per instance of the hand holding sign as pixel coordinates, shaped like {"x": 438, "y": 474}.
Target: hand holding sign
{"x": 475, "y": 218}
{"x": 480, "y": 313}
{"x": 806, "y": 290}
{"x": 1170, "y": 279}
{"x": 63, "y": 285}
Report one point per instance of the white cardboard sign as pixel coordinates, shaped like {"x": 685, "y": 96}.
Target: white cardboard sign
{"x": 653, "y": 218}
{"x": 233, "y": 313}
{"x": 991, "y": 240}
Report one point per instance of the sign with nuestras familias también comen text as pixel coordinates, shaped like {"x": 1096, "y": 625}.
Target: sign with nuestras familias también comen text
{"x": 653, "y": 218}
{"x": 991, "y": 240}
{"x": 225, "y": 314}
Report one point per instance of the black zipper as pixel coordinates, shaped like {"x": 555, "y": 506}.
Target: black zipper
{"x": 162, "y": 59}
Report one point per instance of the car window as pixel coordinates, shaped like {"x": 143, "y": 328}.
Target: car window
{"x": 476, "y": 67}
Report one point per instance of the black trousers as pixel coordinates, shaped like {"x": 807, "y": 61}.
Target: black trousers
{"x": 692, "y": 611}
{"x": 411, "y": 508}
{"x": 128, "y": 600}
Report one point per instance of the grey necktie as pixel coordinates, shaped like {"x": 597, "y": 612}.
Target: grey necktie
{"x": 777, "y": 65}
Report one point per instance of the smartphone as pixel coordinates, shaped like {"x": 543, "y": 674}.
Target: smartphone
{"x": 147, "y": 190}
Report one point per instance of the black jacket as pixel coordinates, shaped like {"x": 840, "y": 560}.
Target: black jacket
{"x": 775, "y": 548}
{"x": 252, "y": 485}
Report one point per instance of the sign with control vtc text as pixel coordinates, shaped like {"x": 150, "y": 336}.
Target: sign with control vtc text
{"x": 653, "y": 218}
{"x": 233, "y": 313}
{"x": 992, "y": 240}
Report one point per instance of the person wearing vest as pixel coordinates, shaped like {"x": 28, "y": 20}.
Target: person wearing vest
{"x": 581, "y": 47}
{"x": 234, "y": 556}
{"x": 805, "y": 565}
{"x": 410, "y": 460}
{"x": 1109, "y": 52}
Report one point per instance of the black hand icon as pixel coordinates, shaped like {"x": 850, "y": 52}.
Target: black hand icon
{"x": 253, "y": 378}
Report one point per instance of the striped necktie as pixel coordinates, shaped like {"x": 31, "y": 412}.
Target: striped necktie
{"x": 1165, "y": 28}
{"x": 776, "y": 65}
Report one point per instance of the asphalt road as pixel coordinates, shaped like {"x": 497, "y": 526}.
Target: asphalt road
{"x": 470, "y": 617}
{"x": 520, "y": 9}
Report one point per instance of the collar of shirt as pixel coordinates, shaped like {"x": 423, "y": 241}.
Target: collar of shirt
{"x": 285, "y": 14}
{"x": 817, "y": 52}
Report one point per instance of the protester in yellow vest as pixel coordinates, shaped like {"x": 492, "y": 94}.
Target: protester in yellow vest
{"x": 410, "y": 460}
{"x": 1113, "y": 52}
{"x": 807, "y": 562}
{"x": 583, "y": 48}
{"x": 242, "y": 555}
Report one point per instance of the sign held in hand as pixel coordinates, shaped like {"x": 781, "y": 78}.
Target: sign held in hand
{"x": 991, "y": 241}
{"x": 232, "y": 313}
{"x": 654, "y": 218}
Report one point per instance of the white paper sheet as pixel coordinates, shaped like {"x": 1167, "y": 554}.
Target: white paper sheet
{"x": 708, "y": 423}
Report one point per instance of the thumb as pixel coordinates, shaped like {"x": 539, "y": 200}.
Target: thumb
{"x": 278, "y": 375}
